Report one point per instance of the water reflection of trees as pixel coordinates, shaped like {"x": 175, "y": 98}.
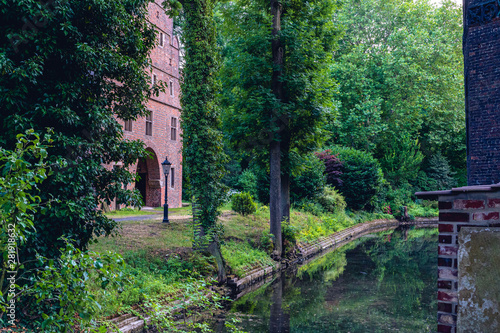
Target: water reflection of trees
{"x": 373, "y": 285}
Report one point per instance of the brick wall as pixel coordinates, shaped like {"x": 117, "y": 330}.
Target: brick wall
{"x": 165, "y": 65}
{"x": 478, "y": 209}
{"x": 482, "y": 90}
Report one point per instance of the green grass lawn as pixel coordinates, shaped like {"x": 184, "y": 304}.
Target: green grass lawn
{"x": 148, "y": 235}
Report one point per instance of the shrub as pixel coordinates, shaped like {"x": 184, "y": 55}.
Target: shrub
{"x": 248, "y": 182}
{"x": 390, "y": 199}
{"x": 309, "y": 179}
{"x": 333, "y": 167}
{"x": 331, "y": 200}
{"x": 289, "y": 233}
{"x": 361, "y": 176}
{"x": 266, "y": 241}
{"x": 242, "y": 203}
{"x": 307, "y": 206}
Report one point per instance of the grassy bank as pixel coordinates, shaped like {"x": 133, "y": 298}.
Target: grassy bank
{"x": 162, "y": 266}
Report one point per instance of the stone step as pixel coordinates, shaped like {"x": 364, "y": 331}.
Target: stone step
{"x": 133, "y": 327}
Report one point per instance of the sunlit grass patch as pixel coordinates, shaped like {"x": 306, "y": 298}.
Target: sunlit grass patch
{"x": 426, "y": 209}
{"x": 241, "y": 257}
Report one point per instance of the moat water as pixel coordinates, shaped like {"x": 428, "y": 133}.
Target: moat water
{"x": 385, "y": 282}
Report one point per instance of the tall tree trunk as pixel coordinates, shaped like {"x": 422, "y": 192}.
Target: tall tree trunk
{"x": 212, "y": 247}
{"x": 275, "y": 148}
{"x": 285, "y": 174}
{"x": 275, "y": 196}
{"x": 202, "y": 139}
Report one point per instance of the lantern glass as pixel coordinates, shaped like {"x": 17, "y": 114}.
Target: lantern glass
{"x": 166, "y": 167}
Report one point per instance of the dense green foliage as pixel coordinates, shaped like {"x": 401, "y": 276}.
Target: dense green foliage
{"x": 77, "y": 65}
{"x": 400, "y": 74}
{"x": 203, "y": 154}
{"x": 309, "y": 178}
{"x": 242, "y": 203}
{"x": 361, "y": 176}
{"x": 59, "y": 288}
{"x": 277, "y": 91}
{"x": 308, "y": 38}
{"x": 248, "y": 182}
{"x": 438, "y": 174}
{"x": 19, "y": 182}
{"x": 394, "y": 92}
{"x": 331, "y": 200}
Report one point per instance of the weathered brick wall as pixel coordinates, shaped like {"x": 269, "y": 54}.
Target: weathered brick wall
{"x": 478, "y": 209}
{"x": 482, "y": 90}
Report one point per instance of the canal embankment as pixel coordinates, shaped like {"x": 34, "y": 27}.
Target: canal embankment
{"x": 307, "y": 252}
{"x": 304, "y": 253}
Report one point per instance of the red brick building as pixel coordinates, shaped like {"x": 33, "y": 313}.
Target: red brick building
{"x": 160, "y": 131}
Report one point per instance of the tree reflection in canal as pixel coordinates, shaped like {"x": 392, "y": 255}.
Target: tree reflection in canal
{"x": 382, "y": 283}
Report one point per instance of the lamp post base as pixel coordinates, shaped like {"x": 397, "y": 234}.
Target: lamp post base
{"x": 165, "y": 214}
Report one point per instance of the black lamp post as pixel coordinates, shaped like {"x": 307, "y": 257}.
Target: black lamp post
{"x": 166, "y": 170}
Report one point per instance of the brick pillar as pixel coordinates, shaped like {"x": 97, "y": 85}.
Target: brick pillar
{"x": 482, "y": 90}
{"x": 478, "y": 209}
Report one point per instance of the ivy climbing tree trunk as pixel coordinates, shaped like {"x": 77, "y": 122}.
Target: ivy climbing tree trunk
{"x": 202, "y": 140}
{"x": 275, "y": 146}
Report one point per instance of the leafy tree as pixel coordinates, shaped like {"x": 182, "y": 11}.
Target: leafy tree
{"x": 401, "y": 160}
{"x": 400, "y": 74}
{"x": 202, "y": 140}
{"x": 77, "y": 67}
{"x": 248, "y": 182}
{"x": 437, "y": 175}
{"x": 277, "y": 91}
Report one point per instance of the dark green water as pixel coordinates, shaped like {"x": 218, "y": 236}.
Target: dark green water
{"x": 382, "y": 283}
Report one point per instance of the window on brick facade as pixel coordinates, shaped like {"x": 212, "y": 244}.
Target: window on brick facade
{"x": 162, "y": 39}
{"x": 173, "y": 128}
{"x": 153, "y": 79}
{"x": 172, "y": 177}
{"x": 128, "y": 125}
{"x": 171, "y": 88}
{"x": 149, "y": 124}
